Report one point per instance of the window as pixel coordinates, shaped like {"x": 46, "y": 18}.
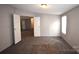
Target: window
{"x": 64, "y": 23}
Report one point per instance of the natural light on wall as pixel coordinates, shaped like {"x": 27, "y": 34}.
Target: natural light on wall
{"x": 64, "y": 23}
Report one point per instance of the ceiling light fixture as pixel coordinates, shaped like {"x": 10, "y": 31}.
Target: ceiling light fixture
{"x": 44, "y": 5}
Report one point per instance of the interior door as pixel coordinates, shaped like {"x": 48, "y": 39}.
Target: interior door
{"x": 36, "y": 26}
{"x": 17, "y": 29}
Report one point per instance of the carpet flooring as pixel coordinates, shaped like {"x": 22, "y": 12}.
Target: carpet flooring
{"x": 40, "y": 45}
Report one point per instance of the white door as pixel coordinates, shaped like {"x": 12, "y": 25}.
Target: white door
{"x": 36, "y": 26}
{"x": 17, "y": 29}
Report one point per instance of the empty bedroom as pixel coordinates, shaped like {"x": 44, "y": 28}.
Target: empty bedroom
{"x": 39, "y": 29}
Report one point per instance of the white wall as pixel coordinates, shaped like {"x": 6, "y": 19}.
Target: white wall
{"x": 50, "y": 25}
{"x": 72, "y": 36}
{"x": 6, "y": 35}
{"x": 5, "y": 26}
{"x": 23, "y": 12}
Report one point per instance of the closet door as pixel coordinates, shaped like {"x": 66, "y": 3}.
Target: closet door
{"x": 17, "y": 29}
{"x": 36, "y": 26}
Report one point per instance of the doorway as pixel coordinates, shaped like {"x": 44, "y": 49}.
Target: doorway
{"x": 27, "y": 26}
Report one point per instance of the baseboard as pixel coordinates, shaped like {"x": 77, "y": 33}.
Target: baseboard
{"x": 76, "y": 48}
{"x": 5, "y": 48}
{"x": 49, "y": 36}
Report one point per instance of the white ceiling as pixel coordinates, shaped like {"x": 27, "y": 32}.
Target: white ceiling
{"x": 56, "y": 9}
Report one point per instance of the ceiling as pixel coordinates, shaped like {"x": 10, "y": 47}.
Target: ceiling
{"x": 56, "y": 9}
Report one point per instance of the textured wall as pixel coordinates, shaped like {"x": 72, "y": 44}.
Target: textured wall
{"x": 72, "y": 36}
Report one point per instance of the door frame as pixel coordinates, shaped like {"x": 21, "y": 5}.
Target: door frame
{"x": 20, "y": 28}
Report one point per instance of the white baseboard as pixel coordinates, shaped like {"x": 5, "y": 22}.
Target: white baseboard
{"x": 76, "y": 48}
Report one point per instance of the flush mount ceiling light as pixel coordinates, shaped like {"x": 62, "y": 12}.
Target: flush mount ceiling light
{"x": 44, "y": 5}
